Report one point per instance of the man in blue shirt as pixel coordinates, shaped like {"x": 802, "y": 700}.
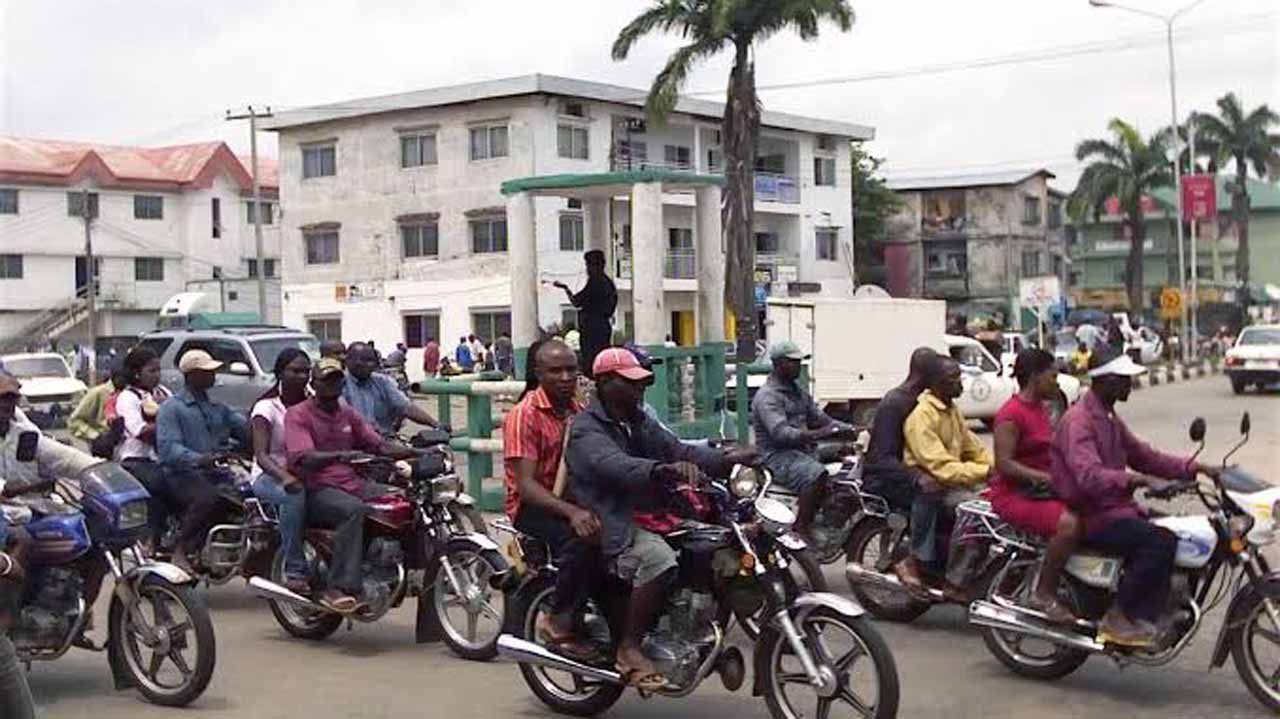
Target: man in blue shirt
{"x": 192, "y": 434}
{"x": 375, "y": 395}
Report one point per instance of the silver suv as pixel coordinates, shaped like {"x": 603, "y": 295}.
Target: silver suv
{"x": 248, "y": 355}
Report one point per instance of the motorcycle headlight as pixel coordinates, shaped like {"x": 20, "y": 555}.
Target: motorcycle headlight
{"x": 774, "y": 517}
{"x": 445, "y": 489}
{"x": 133, "y": 514}
{"x": 744, "y": 481}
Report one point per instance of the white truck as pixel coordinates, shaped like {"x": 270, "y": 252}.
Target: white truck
{"x": 860, "y": 346}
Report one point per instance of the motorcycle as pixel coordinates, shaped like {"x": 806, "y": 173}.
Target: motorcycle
{"x": 738, "y": 567}
{"x": 429, "y": 525}
{"x": 1218, "y": 554}
{"x": 160, "y": 639}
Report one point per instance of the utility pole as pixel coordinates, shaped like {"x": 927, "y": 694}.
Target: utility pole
{"x": 91, "y": 288}
{"x": 252, "y": 115}
{"x": 1194, "y": 300}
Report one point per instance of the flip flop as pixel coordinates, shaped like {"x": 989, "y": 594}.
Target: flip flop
{"x": 568, "y": 645}
{"x": 645, "y": 681}
{"x": 343, "y": 604}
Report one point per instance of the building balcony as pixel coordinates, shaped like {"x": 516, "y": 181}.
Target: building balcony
{"x": 772, "y": 187}
{"x": 677, "y": 265}
{"x": 946, "y": 286}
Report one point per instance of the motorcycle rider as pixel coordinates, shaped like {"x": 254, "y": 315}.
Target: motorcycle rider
{"x": 788, "y": 425}
{"x": 951, "y": 461}
{"x": 887, "y": 475}
{"x": 533, "y": 445}
{"x": 1090, "y": 461}
{"x": 334, "y": 349}
{"x": 194, "y": 433}
{"x": 322, "y": 435}
{"x": 619, "y": 458}
{"x": 15, "y": 695}
{"x": 375, "y": 395}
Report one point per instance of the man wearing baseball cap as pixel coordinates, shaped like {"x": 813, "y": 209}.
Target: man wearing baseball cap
{"x": 193, "y": 433}
{"x": 788, "y": 424}
{"x": 619, "y": 461}
{"x": 1096, "y": 464}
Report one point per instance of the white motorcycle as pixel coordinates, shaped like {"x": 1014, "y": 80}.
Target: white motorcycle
{"x": 1218, "y": 558}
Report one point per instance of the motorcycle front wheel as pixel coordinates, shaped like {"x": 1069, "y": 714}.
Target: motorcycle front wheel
{"x": 470, "y": 611}
{"x": 806, "y": 575}
{"x": 861, "y": 676}
{"x": 166, "y": 642}
{"x": 1255, "y": 648}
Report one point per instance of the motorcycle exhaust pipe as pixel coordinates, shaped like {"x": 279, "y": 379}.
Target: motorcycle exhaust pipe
{"x": 265, "y": 589}
{"x": 519, "y": 650}
{"x": 986, "y": 614}
{"x": 856, "y": 573}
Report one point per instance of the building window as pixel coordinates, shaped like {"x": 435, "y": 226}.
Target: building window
{"x": 824, "y": 171}
{"x": 489, "y": 235}
{"x": 679, "y": 238}
{"x": 767, "y": 243}
{"x": 419, "y": 240}
{"x": 677, "y": 156}
{"x": 268, "y": 212}
{"x": 215, "y": 215}
{"x": 325, "y": 328}
{"x": 75, "y": 204}
{"x": 418, "y": 150}
{"x": 775, "y": 164}
{"x": 10, "y": 267}
{"x": 572, "y": 142}
{"x": 827, "y": 243}
{"x": 947, "y": 264}
{"x": 216, "y": 272}
{"x": 488, "y": 141}
{"x": 568, "y": 317}
{"x": 632, "y": 154}
{"x": 487, "y": 325}
{"x": 573, "y": 108}
{"x": 1030, "y": 263}
{"x": 148, "y": 207}
{"x": 148, "y": 269}
{"x": 270, "y": 264}
{"x": 1055, "y": 214}
{"x": 715, "y": 160}
{"x": 1120, "y": 275}
{"x": 943, "y": 210}
{"x": 419, "y": 328}
{"x": 322, "y": 247}
{"x": 1030, "y": 210}
{"x": 319, "y": 161}
{"x": 827, "y": 143}
{"x": 571, "y": 232}
{"x": 8, "y": 201}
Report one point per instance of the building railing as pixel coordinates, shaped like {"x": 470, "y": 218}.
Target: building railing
{"x": 772, "y": 187}
{"x": 677, "y": 265}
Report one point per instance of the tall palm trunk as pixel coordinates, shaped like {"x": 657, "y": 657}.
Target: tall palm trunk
{"x": 740, "y": 129}
{"x": 1240, "y": 209}
{"x": 1133, "y": 264}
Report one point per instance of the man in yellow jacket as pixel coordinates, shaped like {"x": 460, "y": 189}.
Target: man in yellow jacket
{"x": 90, "y": 416}
{"x": 953, "y": 463}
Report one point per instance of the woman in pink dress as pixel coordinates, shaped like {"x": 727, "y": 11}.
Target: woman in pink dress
{"x": 1020, "y": 490}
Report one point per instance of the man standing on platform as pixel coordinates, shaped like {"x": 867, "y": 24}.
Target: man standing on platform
{"x": 596, "y": 302}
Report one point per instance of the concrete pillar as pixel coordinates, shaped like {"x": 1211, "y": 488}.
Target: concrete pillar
{"x": 709, "y": 256}
{"x": 648, "y": 255}
{"x": 522, "y": 253}
{"x": 595, "y": 221}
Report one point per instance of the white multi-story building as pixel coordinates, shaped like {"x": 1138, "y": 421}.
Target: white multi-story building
{"x": 163, "y": 221}
{"x": 395, "y": 228}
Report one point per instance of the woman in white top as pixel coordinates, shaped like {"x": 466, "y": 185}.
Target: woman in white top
{"x": 272, "y": 481}
{"x": 137, "y": 405}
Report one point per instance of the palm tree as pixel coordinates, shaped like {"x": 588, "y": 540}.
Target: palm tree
{"x": 1242, "y": 138}
{"x": 710, "y": 26}
{"x": 1127, "y": 167}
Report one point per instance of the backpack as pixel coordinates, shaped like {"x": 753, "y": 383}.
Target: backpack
{"x": 104, "y": 445}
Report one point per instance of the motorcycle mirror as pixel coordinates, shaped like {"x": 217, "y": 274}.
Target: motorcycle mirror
{"x": 1197, "y": 429}
{"x": 1244, "y": 424}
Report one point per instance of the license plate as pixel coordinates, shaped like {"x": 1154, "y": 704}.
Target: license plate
{"x": 1260, "y": 364}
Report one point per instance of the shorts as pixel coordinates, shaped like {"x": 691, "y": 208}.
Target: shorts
{"x": 794, "y": 470}
{"x": 648, "y": 558}
{"x": 1038, "y": 516}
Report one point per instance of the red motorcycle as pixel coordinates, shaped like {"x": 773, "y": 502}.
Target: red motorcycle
{"x": 427, "y": 524}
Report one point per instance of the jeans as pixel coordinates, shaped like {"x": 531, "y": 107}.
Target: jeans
{"x": 1148, "y": 553}
{"x": 931, "y": 514}
{"x": 151, "y": 477}
{"x": 332, "y": 508}
{"x": 291, "y": 511}
{"x": 579, "y": 563}
{"x": 194, "y": 496}
{"x": 15, "y": 695}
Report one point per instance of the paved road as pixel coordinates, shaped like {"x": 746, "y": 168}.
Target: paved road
{"x": 376, "y": 670}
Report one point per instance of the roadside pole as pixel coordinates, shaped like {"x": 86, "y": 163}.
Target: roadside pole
{"x": 253, "y": 116}
{"x": 1194, "y": 299}
{"x": 91, "y": 288}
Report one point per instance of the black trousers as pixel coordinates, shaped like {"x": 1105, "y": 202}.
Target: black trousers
{"x": 1148, "y": 553}
{"x": 197, "y": 501}
{"x": 580, "y": 563}
{"x": 344, "y": 513}
{"x": 150, "y": 475}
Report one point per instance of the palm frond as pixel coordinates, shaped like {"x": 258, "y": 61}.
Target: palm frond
{"x": 1262, "y": 118}
{"x": 664, "y": 16}
{"x": 665, "y": 92}
{"x": 1099, "y": 148}
{"x": 1128, "y": 135}
{"x": 1229, "y": 106}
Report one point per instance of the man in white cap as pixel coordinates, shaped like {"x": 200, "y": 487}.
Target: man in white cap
{"x": 1096, "y": 464}
{"x": 192, "y": 433}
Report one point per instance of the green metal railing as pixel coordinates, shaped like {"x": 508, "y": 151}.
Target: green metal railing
{"x": 666, "y": 396}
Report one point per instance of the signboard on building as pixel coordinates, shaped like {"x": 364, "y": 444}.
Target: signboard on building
{"x": 358, "y": 292}
{"x": 1121, "y": 245}
{"x": 787, "y": 273}
{"x": 1039, "y": 292}
{"x": 1199, "y": 197}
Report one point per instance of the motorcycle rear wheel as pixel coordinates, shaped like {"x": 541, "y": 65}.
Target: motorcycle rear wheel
{"x": 297, "y": 621}
{"x": 1013, "y": 581}
{"x": 872, "y": 535}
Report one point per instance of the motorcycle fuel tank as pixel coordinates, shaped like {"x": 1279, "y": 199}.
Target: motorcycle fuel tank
{"x": 58, "y": 538}
{"x": 1196, "y": 539}
{"x": 392, "y": 510}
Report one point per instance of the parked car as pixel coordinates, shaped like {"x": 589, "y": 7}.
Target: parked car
{"x": 50, "y": 392}
{"x": 248, "y": 355}
{"x": 1144, "y": 345}
{"x": 987, "y": 385}
{"x": 1255, "y": 358}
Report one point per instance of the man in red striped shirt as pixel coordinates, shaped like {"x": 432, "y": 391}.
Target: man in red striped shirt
{"x": 533, "y": 442}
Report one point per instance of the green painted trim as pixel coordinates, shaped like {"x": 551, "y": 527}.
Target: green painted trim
{"x": 603, "y": 179}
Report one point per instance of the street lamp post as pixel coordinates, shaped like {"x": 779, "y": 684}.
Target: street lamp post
{"x": 1168, "y": 21}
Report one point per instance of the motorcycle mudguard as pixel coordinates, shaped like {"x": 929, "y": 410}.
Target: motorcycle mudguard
{"x": 427, "y": 627}
{"x": 171, "y": 573}
{"x": 803, "y": 606}
{"x": 1268, "y": 586}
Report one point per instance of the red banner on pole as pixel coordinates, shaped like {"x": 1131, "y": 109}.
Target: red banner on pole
{"x": 1199, "y": 197}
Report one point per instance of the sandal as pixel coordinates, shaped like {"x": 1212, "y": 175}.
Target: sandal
{"x": 566, "y": 644}
{"x": 1053, "y": 610}
{"x": 339, "y": 602}
{"x": 641, "y": 679}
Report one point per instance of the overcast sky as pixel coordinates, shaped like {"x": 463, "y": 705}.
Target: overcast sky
{"x": 164, "y": 71}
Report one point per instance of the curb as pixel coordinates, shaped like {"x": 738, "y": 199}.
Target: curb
{"x": 1174, "y": 372}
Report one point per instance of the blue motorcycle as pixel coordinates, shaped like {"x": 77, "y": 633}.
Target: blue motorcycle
{"x": 159, "y": 636}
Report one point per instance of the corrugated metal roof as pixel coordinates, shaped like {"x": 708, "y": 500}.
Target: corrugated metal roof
{"x": 547, "y": 84}
{"x": 939, "y": 182}
{"x": 64, "y": 162}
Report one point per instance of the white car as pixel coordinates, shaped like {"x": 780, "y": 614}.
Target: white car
{"x": 1255, "y": 358}
{"x": 987, "y": 385}
{"x": 49, "y": 391}
{"x": 1148, "y": 344}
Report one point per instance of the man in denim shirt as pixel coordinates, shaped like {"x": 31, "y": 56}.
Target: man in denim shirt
{"x": 192, "y": 433}
{"x": 375, "y": 395}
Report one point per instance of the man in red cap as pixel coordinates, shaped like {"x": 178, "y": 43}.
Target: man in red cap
{"x": 619, "y": 459}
